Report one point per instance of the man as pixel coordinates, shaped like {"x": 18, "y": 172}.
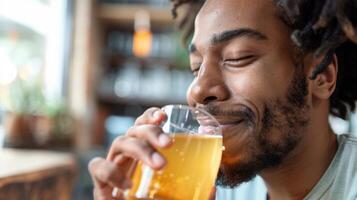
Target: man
{"x": 271, "y": 72}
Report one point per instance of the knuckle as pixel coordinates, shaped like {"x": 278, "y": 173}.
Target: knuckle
{"x": 138, "y": 147}
{"x": 145, "y": 148}
{"x": 147, "y": 130}
{"x": 131, "y": 130}
{"x": 147, "y": 116}
{"x": 139, "y": 119}
{"x": 143, "y": 131}
{"x": 119, "y": 140}
{"x": 135, "y": 147}
{"x": 92, "y": 165}
{"x": 153, "y": 128}
{"x": 105, "y": 175}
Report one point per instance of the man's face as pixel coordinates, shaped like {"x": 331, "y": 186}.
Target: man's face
{"x": 247, "y": 75}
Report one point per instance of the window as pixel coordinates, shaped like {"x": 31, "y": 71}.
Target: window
{"x": 34, "y": 48}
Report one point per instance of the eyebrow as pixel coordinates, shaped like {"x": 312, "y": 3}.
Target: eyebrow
{"x": 232, "y": 34}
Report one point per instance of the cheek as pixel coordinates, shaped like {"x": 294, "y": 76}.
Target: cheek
{"x": 258, "y": 86}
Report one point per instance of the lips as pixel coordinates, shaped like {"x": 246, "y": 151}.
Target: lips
{"x": 220, "y": 120}
{"x": 229, "y": 124}
{"x": 225, "y": 123}
{"x": 229, "y": 121}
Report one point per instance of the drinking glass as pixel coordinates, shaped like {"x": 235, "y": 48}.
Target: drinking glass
{"x": 192, "y": 160}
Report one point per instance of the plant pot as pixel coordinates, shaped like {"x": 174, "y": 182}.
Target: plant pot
{"x": 42, "y": 130}
{"x": 18, "y": 130}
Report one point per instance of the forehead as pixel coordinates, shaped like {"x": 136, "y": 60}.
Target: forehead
{"x": 220, "y": 15}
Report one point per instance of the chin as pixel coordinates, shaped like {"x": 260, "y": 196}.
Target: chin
{"x": 233, "y": 173}
{"x": 240, "y": 146}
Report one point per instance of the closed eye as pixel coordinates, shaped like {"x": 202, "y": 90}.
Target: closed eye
{"x": 195, "y": 68}
{"x": 240, "y": 62}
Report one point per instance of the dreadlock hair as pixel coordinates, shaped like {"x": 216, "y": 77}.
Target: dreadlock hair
{"x": 320, "y": 27}
{"x": 186, "y": 24}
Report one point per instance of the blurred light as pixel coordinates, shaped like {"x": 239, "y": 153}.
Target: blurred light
{"x": 47, "y": 21}
{"x": 117, "y": 125}
{"x": 14, "y": 35}
{"x": 24, "y": 73}
{"x": 31, "y": 70}
{"x": 28, "y": 13}
{"x": 8, "y": 70}
{"x": 142, "y": 41}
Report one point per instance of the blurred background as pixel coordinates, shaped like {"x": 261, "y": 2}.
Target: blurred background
{"x": 74, "y": 74}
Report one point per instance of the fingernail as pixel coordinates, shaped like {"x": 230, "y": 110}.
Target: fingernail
{"x": 157, "y": 159}
{"x": 164, "y": 139}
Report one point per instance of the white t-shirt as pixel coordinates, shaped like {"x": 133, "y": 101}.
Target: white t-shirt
{"x": 338, "y": 183}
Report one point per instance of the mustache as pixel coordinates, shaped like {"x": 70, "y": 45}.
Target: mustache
{"x": 241, "y": 111}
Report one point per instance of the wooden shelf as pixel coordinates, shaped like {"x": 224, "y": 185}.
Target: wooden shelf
{"x": 148, "y": 62}
{"x": 93, "y": 23}
{"x": 111, "y": 99}
{"x": 125, "y": 14}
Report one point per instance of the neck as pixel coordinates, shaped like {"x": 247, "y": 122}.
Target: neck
{"x": 304, "y": 167}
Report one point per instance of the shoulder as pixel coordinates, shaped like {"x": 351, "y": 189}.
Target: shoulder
{"x": 347, "y": 151}
{"x": 346, "y": 176}
{"x": 348, "y": 140}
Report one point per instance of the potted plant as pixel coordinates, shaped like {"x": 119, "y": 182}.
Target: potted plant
{"x": 31, "y": 121}
{"x": 23, "y": 104}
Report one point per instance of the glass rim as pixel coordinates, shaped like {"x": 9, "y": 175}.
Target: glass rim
{"x": 193, "y": 109}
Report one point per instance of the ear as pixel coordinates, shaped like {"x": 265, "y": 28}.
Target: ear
{"x": 325, "y": 83}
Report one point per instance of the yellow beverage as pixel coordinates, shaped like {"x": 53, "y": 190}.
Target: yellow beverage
{"x": 190, "y": 173}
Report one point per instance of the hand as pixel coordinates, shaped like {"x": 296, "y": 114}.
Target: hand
{"x": 139, "y": 144}
{"x": 212, "y": 196}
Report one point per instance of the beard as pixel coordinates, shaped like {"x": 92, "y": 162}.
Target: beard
{"x": 283, "y": 124}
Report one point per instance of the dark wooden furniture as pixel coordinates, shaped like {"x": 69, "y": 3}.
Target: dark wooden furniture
{"x": 36, "y": 175}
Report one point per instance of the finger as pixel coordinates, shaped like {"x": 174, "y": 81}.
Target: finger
{"x": 151, "y": 133}
{"x": 136, "y": 149}
{"x": 151, "y": 116}
{"x": 126, "y": 164}
{"x": 108, "y": 193}
{"x": 213, "y": 194}
{"x": 107, "y": 174}
{"x": 118, "y": 194}
{"x": 103, "y": 193}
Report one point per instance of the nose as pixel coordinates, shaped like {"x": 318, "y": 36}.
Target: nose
{"x": 208, "y": 86}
